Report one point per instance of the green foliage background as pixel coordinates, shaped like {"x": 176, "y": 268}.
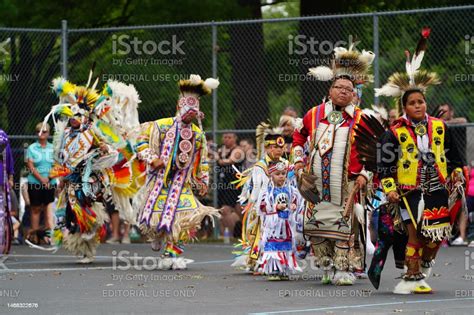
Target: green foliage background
{"x": 35, "y": 55}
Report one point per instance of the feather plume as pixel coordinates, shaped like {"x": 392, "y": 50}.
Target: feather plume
{"x": 420, "y": 49}
{"x": 322, "y": 73}
{"x": 349, "y": 65}
{"x": 421, "y": 208}
{"x": 211, "y": 83}
{"x": 400, "y": 82}
{"x": 367, "y": 57}
{"x": 382, "y": 111}
{"x": 195, "y": 79}
{"x": 260, "y": 136}
{"x": 367, "y": 136}
{"x": 96, "y": 82}
{"x": 62, "y": 87}
{"x": 388, "y": 90}
{"x": 338, "y": 51}
{"x": 194, "y": 86}
{"x": 91, "y": 73}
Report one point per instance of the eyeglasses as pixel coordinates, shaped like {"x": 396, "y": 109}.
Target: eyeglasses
{"x": 343, "y": 88}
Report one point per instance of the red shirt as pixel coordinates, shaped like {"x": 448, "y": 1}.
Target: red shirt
{"x": 316, "y": 116}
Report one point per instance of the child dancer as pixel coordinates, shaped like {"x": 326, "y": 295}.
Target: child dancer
{"x": 278, "y": 235}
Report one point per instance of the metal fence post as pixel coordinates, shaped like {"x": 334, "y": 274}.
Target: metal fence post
{"x": 376, "y": 52}
{"x": 64, "y": 48}
{"x": 215, "y": 177}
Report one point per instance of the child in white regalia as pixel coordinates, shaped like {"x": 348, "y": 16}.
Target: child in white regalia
{"x": 278, "y": 233}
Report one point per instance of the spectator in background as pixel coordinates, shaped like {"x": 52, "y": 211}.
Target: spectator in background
{"x": 290, "y": 111}
{"x": 207, "y": 227}
{"x": 392, "y": 116}
{"x": 229, "y": 154}
{"x": 250, "y": 153}
{"x": 39, "y": 159}
{"x": 288, "y": 125}
{"x": 114, "y": 215}
{"x": 447, "y": 115}
{"x": 14, "y": 216}
{"x": 462, "y": 239}
{"x": 24, "y": 200}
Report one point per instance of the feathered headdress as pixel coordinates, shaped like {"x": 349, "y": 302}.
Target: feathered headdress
{"x": 414, "y": 78}
{"x": 346, "y": 63}
{"x": 195, "y": 85}
{"x": 266, "y": 134}
{"x": 73, "y": 99}
{"x": 191, "y": 90}
{"x": 81, "y": 99}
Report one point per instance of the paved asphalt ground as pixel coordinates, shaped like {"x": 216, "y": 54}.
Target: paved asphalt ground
{"x": 55, "y": 284}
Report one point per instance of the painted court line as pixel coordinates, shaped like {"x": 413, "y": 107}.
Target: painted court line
{"x": 22, "y": 270}
{"x": 52, "y": 255}
{"x": 329, "y": 308}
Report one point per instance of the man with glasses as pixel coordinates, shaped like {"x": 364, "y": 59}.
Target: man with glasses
{"x": 333, "y": 158}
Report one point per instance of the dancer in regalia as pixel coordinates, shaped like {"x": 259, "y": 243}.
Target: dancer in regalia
{"x": 337, "y": 174}
{"x": 279, "y": 204}
{"x": 174, "y": 150}
{"x": 6, "y": 184}
{"x": 270, "y": 145}
{"x": 93, "y": 161}
{"x": 420, "y": 169}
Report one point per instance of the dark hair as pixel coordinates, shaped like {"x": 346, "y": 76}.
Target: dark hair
{"x": 405, "y": 96}
{"x": 248, "y": 140}
{"x": 451, "y": 108}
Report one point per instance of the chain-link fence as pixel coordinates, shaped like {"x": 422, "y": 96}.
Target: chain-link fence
{"x": 262, "y": 64}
